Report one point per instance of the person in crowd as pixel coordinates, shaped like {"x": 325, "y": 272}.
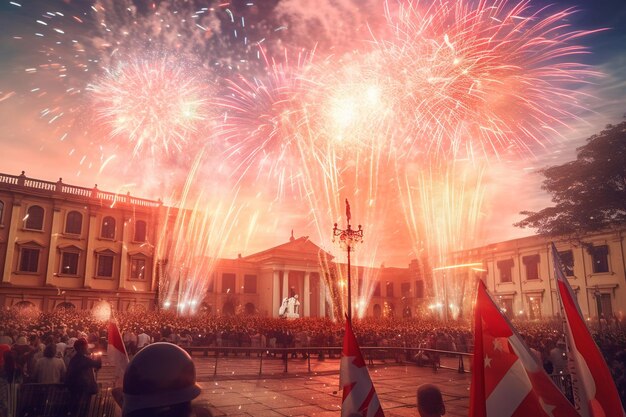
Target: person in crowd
{"x": 130, "y": 341}
{"x": 429, "y": 401}
{"x": 49, "y": 369}
{"x": 81, "y": 378}
{"x": 143, "y": 339}
{"x": 22, "y": 352}
{"x": 558, "y": 358}
{"x": 160, "y": 381}
{"x": 5, "y": 339}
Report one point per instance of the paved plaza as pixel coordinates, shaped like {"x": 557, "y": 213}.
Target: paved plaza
{"x": 236, "y": 389}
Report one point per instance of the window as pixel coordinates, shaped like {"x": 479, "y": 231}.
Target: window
{"x": 34, "y": 218}
{"x": 29, "y": 260}
{"x": 138, "y": 268}
{"x": 140, "y": 231}
{"x": 211, "y": 284}
{"x": 506, "y": 270}
{"x": 389, "y": 289}
{"x": 419, "y": 288}
{"x": 600, "y": 259}
{"x": 531, "y": 263}
{"x": 108, "y": 228}
{"x": 69, "y": 263}
{"x": 105, "y": 264}
{"x": 534, "y": 308}
{"x": 567, "y": 260}
{"x": 377, "y": 290}
{"x": 405, "y": 289}
{"x": 603, "y": 304}
{"x": 249, "y": 284}
{"x": 228, "y": 283}
{"x": 1, "y": 210}
{"x": 506, "y": 306}
{"x": 74, "y": 223}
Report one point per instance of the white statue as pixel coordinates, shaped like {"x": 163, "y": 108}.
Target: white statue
{"x": 283, "y": 307}
{"x": 289, "y": 307}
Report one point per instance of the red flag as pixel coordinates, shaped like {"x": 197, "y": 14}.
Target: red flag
{"x": 116, "y": 351}
{"x": 348, "y": 215}
{"x": 359, "y": 395}
{"x": 594, "y": 389}
{"x": 507, "y": 380}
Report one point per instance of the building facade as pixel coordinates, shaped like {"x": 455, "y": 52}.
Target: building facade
{"x": 67, "y": 246}
{"x": 63, "y": 245}
{"x": 519, "y": 274}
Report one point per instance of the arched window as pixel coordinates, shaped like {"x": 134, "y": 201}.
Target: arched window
{"x": 65, "y": 305}
{"x": 250, "y": 309}
{"x": 228, "y": 309}
{"x": 34, "y": 218}
{"x": 140, "y": 231}
{"x": 108, "y": 228}
{"x": 377, "y": 311}
{"x": 74, "y": 223}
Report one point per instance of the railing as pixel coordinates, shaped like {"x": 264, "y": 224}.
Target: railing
{"x": 564, "y": 383}
{"x": 370, "y": 353}
{"x": 53, "y": 400}
{"x": 61, "y": 188}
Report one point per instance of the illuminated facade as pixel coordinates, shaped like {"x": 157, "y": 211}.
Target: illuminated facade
{"x": 68, "y": 246}
{"x": 519, "y": 274}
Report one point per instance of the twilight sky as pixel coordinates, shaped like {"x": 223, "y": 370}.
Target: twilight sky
{"x": 58, "y": 63}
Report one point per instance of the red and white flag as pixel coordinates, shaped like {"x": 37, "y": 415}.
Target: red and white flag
{"x": 595, "y": 393}
{"x": 507, "y": 380}
{"x": 359, "y": 395}
{"x": 116, "y": 351}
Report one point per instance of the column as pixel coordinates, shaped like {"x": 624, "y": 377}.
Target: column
{"x": 307, "y": 294}
{"x": 276, "y": 300}
{"x": 124, "y": 254}
{"x": 90, "y": 257}
{"x": 285, "y": 284}
{"x": 14, "y": 221}
{"x": 322, "y": 297}
{"x": 52, "y": 248}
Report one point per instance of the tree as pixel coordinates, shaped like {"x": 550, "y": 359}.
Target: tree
{"x": 589, "y": 193}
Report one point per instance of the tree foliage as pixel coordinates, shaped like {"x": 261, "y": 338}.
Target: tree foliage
{"x": 589, "y": 193}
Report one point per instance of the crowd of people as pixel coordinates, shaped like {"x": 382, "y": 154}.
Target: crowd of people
{"x": 40, "y": 347}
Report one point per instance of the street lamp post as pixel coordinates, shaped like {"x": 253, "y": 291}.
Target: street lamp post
{"x": 348, "y": 238}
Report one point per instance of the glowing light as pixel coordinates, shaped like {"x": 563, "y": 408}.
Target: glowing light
{"x": 153, "y": 104}
{"x": 101, "y": 311}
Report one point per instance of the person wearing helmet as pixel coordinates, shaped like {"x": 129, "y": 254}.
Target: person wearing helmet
{"x": 81, "y": 379}
{"x": 160, "y": 381}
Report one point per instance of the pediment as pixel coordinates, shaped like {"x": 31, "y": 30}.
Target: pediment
{"x": 30, "y": 242}
{"x": 105, "y": 249}
{"x": 296, "y": 249}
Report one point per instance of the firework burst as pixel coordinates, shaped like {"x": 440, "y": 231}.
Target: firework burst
{"x": 153, "y": 104}
{"x": 482, "y": 80}
{"x": 262, "y": 121}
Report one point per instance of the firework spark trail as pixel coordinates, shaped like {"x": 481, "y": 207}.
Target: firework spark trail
{"x": 347, "y": 162}
{"x": 194, "y": 242}
{"x": 153, "y": 104}
{"x": 450, "y": 201}
{"x": 485, "y": 80}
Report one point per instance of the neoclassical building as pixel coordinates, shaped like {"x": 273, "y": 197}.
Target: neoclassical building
{"x": 68, "y": 246}
{"x": 519, "y": 273}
